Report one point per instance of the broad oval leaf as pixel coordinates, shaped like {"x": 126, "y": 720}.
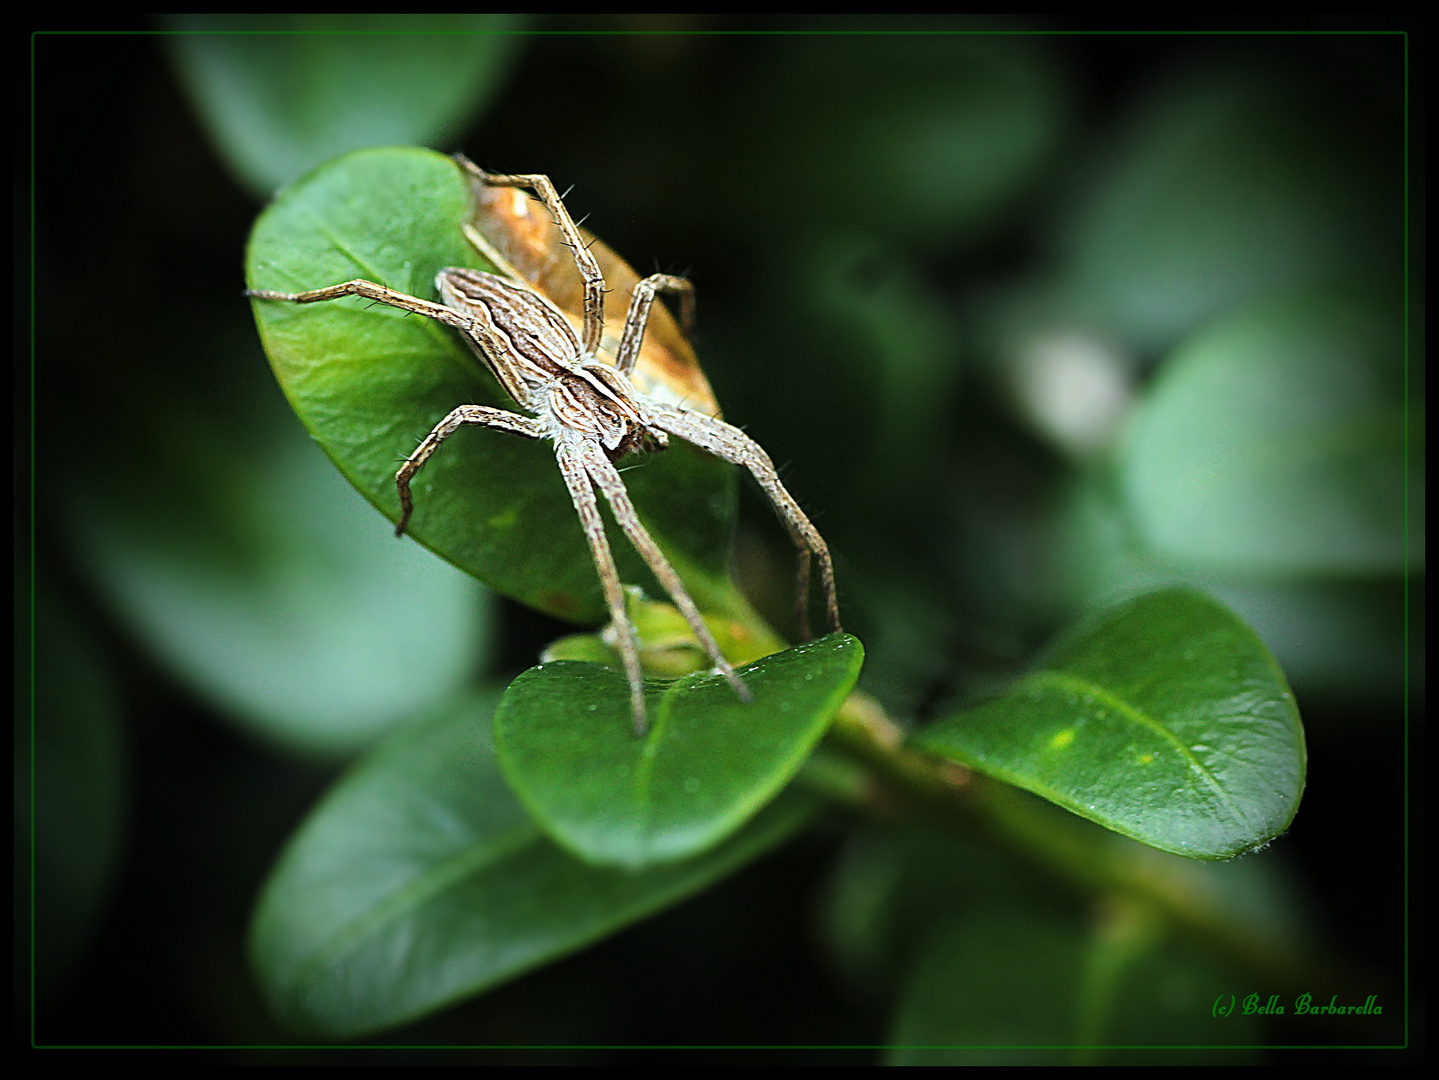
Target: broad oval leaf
{"x": 1274, "y": 442}
{"x": 1167, "y": 721}
{"x": 708, "y": 762}
{"x": 370, "y": 381}
{"x": 420, "y": 880}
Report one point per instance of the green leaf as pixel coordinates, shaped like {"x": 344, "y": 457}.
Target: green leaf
{"x": 369, "y": 382}
{"x": 1167, "y": 720}
{"x": 282, "y": 93}
{"x": 1273, "y": 443}
{"x": 709, "y": 761}
{"x": 990, "y": 989}
{"x": 256, "y": 575}
{"x": 996, "y": 987}
{"x": 878, "y": 326}
{"x": 80, "y": 799}
{"x": 963, "y": 126}
{"x": 1328, "y": 635}
{"x": 419, "y": 880}
{"x": 895, "y": 883}
{"x": 1230, "y": 181}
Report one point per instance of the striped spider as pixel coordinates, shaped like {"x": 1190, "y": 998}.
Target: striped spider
{"x": 588, "y": 408}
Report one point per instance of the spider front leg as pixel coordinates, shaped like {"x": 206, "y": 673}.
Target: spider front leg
{"x": 583, "y": 496}
{"x": 607, "y": 478}
{"x": 371, "y": 291}
{"x": 589, "y": 268}
{"x": 498, "y": 419}
{"x": 584, "y": 468}
{"x": 729, "y": 442}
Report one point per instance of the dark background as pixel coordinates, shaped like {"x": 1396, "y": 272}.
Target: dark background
{"x": 137, "y": 232}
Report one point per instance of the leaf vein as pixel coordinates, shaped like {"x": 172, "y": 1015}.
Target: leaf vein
{"x": 1084, "y": 687}
{"x": 416, "y": 891}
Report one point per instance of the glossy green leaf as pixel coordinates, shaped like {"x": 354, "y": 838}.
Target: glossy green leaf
{"x": 1166, "y": 720}
{"x": 420, "y": 880}
{"x": 369, "y": 382}
{"x": 282, "y": 93}
{"x": 708, "y": 762}
{"x": 1273, "y": 443}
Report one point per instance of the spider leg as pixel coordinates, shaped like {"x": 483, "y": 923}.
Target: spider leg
{"x": 573, "y": 459}
{"x": 639, "y": 313}
{"x": 607, "y": 478}
{"x": 371, "y": 291}
{"x": 589, "y": 268}
{"x": 498, "y": 419}
{"x": 729, "y": 442}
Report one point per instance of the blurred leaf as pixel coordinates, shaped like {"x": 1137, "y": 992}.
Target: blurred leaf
{"x": 1002, "y": 984}
{"x": 1165, "y": 997}
{"x": 252, "y": 571}
{"x": 993, "y": 987}
{"x": 1336, "y": 638}
{"x": 420, "y": 880}
{"x": 370, "y": 381}
{"x": 80, "y": 796}
{"x": 282, "y": 93}
{"x": 1330, "y": 637}
{"x": 869, "y": 311}
{"x": 1166, "y": 720}
{"x": 1231, "y": 182}
{"x": 948, "y": 132}
{"x": 1273, "y": 443}
{"x": 895, "y": 883}
{"x": 709, "y": 761}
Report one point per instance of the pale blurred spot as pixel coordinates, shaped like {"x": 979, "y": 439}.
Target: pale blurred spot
{"x": 1073, "y": 387}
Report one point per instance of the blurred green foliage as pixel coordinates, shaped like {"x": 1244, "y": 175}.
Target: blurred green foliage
{"x": 1032, "y": 324}
{"x": 280, "y": 94}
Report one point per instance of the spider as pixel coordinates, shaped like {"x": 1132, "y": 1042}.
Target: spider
{"x": 588, "y": 408}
